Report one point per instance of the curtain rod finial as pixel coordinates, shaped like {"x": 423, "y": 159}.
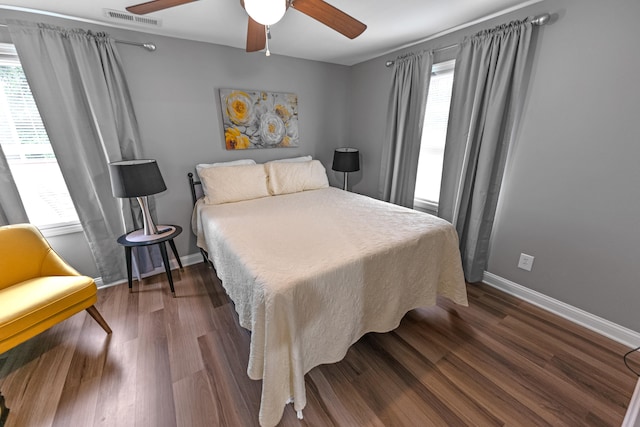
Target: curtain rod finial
{"x": 541, "y": 20}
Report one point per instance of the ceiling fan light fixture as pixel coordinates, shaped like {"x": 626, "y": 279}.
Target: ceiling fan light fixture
{"x": 266, "y": 12}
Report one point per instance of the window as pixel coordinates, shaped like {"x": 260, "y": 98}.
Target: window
{"x": 28, "y": 151}
{"x": 434, "y": 134}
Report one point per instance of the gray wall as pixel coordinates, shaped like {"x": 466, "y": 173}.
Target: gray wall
{"x": 570, "y": 196}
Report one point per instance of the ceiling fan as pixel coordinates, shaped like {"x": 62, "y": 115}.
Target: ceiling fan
{"x": 264, "y": 13}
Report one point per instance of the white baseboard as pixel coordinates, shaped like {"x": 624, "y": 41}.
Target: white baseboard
{"x": 190, "y": 259}
{"x": 590, "y": 321}
{"x": 186, "y": 260}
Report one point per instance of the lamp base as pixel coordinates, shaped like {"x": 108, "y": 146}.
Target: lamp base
{"x": 140, "y": 236}
{"x": 149, "y": 227}
{"x": 344, "y": 186}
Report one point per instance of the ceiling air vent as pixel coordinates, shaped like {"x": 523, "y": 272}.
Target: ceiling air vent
{"x": 122, "y": 16}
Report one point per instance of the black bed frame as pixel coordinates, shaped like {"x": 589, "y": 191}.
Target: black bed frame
{"x": 192, "y": 186}
{"x": 194, "y": 199}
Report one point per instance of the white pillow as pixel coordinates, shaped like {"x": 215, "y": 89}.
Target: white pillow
{"x": 291, "y": 177}
{"x": 202, "y": 166}
{"x": 233, "y": 183}
{"x": 292, "y": 160}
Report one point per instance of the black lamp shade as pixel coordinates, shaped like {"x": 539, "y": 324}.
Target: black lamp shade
{"x": 135, "y": 178}
{"x": 346, "y": 160}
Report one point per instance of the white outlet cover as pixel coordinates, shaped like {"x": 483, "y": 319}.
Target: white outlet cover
{"x": 525, "y": 262}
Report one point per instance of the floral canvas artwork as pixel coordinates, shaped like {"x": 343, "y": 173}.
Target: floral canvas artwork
{"x": 259, "y": 119}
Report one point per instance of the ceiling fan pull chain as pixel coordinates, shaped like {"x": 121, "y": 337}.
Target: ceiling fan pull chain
{"x": 266, "y": 37}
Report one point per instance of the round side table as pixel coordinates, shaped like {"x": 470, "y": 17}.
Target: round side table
{"x": 166, "y": 233}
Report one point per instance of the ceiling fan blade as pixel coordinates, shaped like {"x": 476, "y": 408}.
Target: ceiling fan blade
{"x": 155, "y": 5}
{"x": 256, "y": 36}
{"x": 330, "y": 16}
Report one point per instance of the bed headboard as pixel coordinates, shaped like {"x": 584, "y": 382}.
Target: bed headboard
{"x": 195, "y": 193}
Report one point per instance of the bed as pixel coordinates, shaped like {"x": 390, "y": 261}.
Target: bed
{"x": 311, "y": 268}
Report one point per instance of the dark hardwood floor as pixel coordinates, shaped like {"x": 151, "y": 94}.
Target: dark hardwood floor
{"x": 182, "y": 362}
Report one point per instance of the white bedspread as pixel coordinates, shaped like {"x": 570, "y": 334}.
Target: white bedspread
{"x": 312, "y": 272}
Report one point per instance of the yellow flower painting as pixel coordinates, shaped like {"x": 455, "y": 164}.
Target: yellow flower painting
{"x": 259, "y": 119}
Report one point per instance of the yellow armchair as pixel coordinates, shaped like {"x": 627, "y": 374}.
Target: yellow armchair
{"x": 38, "y": 289}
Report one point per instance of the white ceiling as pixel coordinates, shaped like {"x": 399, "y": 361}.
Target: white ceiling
{"x": 390, "y": 23}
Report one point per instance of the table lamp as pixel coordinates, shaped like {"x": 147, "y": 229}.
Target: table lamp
{"x": 138, "y": 178}
{"x": 346, "y": 160}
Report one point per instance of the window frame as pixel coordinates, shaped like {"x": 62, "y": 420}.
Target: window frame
{"x": 9, "y": 56}
{"x": 421, "y": 204}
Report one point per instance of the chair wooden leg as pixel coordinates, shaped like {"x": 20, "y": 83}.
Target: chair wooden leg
{"x": 93, "y": 311}
{"x": 4, "y": 411}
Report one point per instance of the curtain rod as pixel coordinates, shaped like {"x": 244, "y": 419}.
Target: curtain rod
{"x": 148, "y": 46}
{"x": 537, "y": 20}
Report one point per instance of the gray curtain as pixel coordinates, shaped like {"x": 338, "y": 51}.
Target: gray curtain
{"x": 405, "y": 119}
{"x": 11, "y": 208}
{"x": 489, "y": 83}
{"x": 79, "y": 87}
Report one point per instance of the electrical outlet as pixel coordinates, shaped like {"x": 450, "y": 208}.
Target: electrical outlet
{"x": 525, "y": 262}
